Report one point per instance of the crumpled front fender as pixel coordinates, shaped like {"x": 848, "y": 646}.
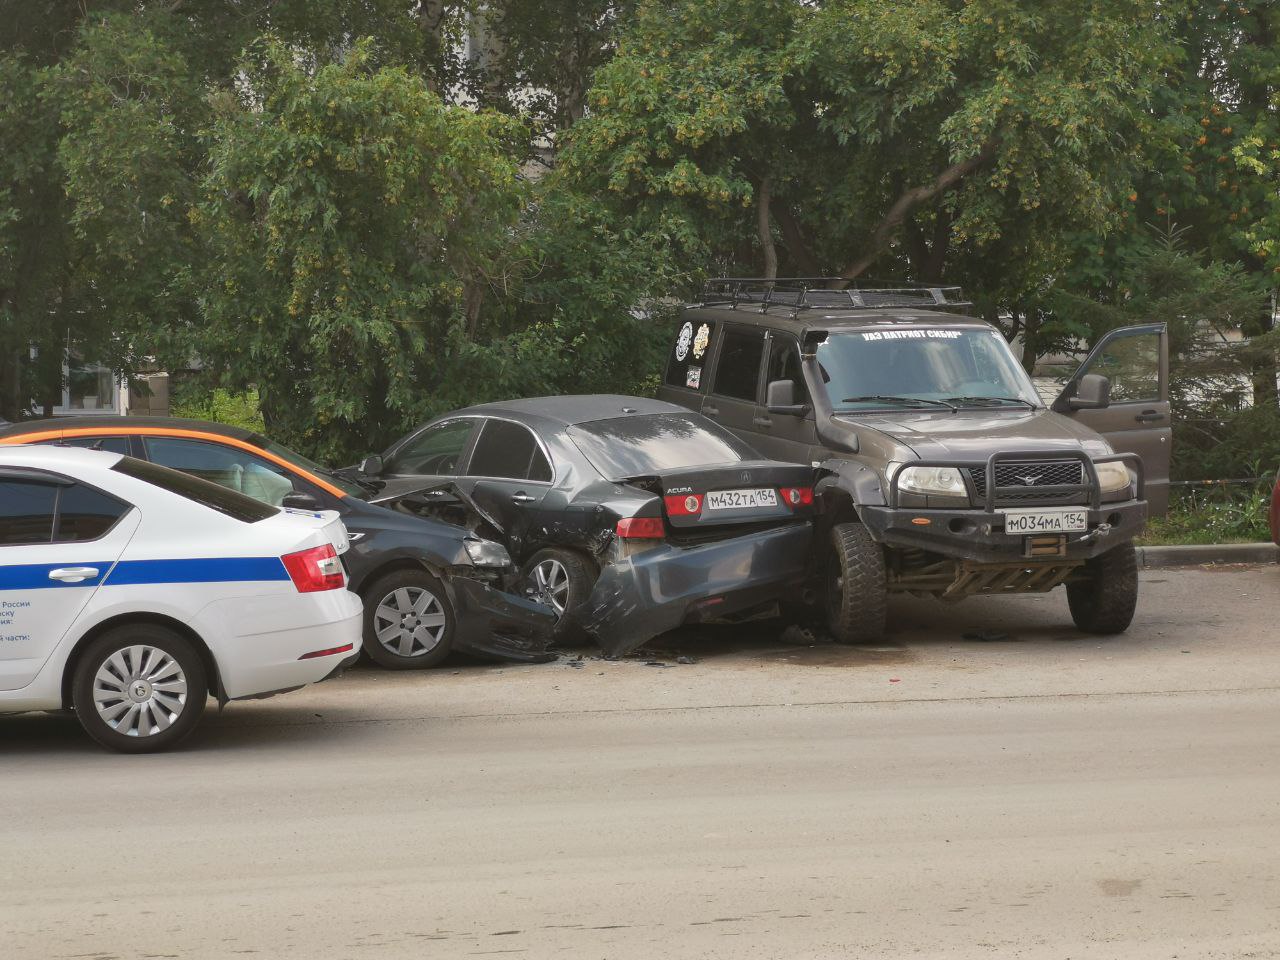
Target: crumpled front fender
{"x": 492, "y": 623}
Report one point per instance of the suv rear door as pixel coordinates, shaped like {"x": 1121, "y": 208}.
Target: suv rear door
{"x": 734, "y": 398}
{"x": 1137, "y": 420}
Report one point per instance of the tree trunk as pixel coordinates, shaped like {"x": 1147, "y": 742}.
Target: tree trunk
{"x": 908, "y": 201}
{"x": 765, "y": 227}
{"x": 793, "y": 239}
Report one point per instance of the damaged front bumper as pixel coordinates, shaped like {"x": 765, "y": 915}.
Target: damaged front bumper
{"x": 492, "y": 623}
{"x": 646, "y": 594}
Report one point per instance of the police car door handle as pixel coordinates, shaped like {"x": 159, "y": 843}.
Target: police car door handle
{"x": 521, "y": 497}
{"x": 73, "y": 574}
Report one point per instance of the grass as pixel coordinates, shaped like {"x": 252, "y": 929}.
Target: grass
{"x": 1213, "y": 516}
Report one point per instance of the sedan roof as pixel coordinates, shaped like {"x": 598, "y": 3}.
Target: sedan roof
{"x": 122, "y": 425}
{"x": 582, "y": 408}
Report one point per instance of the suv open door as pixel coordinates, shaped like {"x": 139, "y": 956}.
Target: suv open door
{"x": 1135, "y": 417}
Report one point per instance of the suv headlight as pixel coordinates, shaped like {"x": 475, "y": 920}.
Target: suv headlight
{"x": 932, "y": 481}
{"x": 486, "y": 553}
{"x": 1112, "y": 477}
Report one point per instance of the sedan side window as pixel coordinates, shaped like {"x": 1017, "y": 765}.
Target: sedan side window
{"x": 86, "y": 514}
{"x": 228, "y": 467}
{"x": 26, "y": 511}
{"x": 510, "y": 451}
{"x": 738, "y": 369}
{"x": 435, "y": 451}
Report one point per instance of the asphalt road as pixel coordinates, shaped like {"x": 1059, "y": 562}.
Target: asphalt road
{"x": 1040, "y": 794}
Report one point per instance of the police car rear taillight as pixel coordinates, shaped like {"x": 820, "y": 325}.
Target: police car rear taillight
{"x": 316, "y": 569}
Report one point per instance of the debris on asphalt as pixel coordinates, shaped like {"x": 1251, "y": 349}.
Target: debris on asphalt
{"x": 987, "y": 636}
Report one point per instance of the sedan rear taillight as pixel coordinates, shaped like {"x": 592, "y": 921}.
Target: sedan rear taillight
{"x": 315, "y": 569}
{"x": 797, "y": 496}
{"x": 683, "y": 505}
{"x": 641, "y": 528}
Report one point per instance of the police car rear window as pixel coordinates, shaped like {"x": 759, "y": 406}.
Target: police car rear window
{"x": 225, "y": 501}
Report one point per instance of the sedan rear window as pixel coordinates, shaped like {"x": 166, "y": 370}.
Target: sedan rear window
{"x": 646, "y": 445}
{"x": 225, "y": 501}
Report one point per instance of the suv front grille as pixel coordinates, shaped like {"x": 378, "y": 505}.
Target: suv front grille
{"x": 1032, "y": 474}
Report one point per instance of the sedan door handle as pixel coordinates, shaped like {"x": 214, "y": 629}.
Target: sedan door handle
{"x": 522, "y": 497}
{"x": 710, "y": 411}
{"x": 1149, "y": 416}
{"x": 73, "y": 574}
{"x": 762, "y": 421}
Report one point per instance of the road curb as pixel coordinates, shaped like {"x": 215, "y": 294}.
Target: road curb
{"x": 1193, "y": 555}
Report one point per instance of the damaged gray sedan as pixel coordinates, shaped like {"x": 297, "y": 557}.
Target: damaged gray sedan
{"x": 630, "y": 517}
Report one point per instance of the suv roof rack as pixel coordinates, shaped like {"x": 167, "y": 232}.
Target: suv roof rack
{"x": 806, "y": 293}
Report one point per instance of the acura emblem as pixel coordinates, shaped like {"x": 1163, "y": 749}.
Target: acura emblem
{"x": 746, "y": 477}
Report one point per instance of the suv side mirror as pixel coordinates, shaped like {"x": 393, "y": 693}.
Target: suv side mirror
{"x": 300, "y": 501}
{"x": 371, "y": 465}
{"x": 780, "y": 397}
{"x": 1093, "y": 392}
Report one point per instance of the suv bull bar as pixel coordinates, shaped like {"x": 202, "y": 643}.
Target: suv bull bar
{"x": 1091, "y": 487}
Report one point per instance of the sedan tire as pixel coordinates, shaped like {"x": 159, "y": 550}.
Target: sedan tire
{"x": 562, "y": 579}
{"x": 408, "y": 621}
{"x": 139, "y": 688}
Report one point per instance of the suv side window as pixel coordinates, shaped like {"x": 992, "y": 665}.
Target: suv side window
{"x": 689, "y": 354}
{"x": 510, "y": 451}
{"x": 27, "y": 508}
{"x": 784, "y": 364}
{"x": 228, "y": 467}
{"x": 738, "y": 369}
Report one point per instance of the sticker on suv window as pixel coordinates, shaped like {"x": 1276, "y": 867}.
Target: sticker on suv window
{"x": 701, "y": 341}
{"x": 682, "y": 343}
{"x": 913, "y": 335}
{"x": 693, "y": 378}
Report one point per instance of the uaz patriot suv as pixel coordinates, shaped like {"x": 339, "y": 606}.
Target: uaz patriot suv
{"x": 942, "y": 470}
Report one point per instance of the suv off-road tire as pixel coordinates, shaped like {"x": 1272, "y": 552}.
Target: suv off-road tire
{"x": 579, "y": 578}
{"x": 1104, "y": 601}
{"x": 856, "y": 586}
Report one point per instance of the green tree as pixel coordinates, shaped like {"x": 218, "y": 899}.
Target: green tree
{"x": 908, "y": 137}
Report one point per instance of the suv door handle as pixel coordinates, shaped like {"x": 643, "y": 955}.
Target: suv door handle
{"x": 762, "y": 421}
{"x": 1149, "y": 416}
{"x": 522, "y": 497}
{"x": 710, "y": 411}
{"x": 73, "y": 574}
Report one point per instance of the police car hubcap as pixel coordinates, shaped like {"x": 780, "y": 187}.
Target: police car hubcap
{"x": 139, "y": 691}
{"x": 409, "y": 621}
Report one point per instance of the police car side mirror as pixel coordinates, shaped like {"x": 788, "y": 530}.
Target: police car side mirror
{"x": 780, "y": 397}
{"x": 371, "y": 465}
{"x": 300, "y": 501}
{"x": 1093, "y": 392}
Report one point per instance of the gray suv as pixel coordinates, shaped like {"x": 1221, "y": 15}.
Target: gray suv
{"x": 943, "y": 470}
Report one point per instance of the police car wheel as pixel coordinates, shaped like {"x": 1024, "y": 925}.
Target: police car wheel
{"x": 139, "y": 688}
{"x": 408, "y": 621}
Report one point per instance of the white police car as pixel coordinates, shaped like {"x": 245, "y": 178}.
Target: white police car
{"x": 130, "y": 592}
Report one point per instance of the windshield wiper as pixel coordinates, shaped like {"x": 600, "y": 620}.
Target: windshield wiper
{"x": 367, "y": 483}
{"x": 885, "y": 399}
{"x": 984, "y": 400}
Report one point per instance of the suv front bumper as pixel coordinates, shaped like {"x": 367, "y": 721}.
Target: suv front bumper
{"x": 979, "y": 534}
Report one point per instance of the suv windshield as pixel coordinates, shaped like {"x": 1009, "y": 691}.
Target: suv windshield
{"x": 922, "y": 368}
{"x": 641, "y": 446}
